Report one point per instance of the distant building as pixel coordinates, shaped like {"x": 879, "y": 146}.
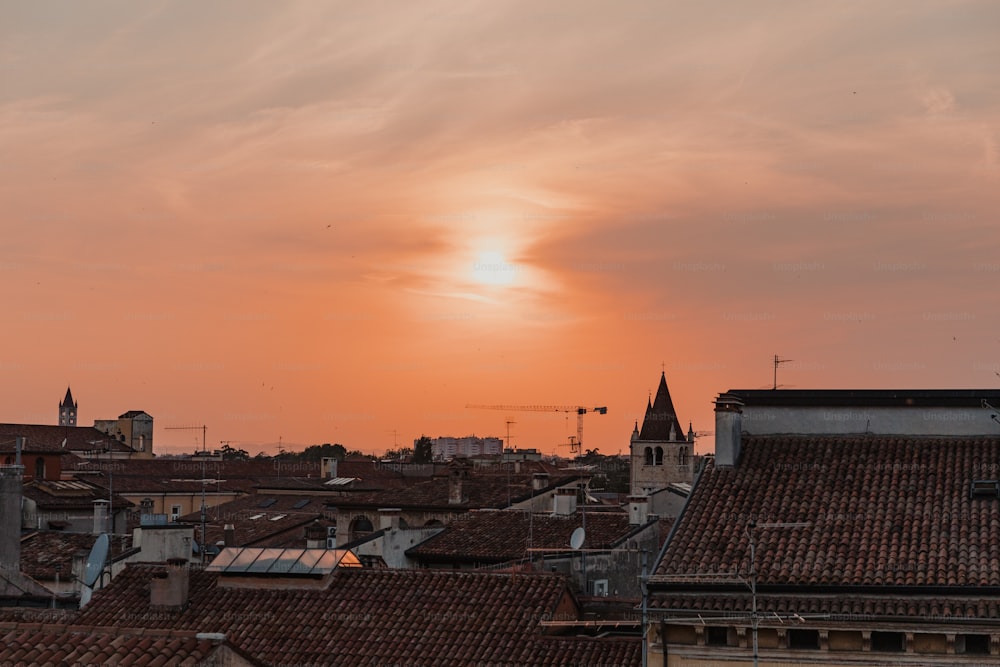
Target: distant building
{"x": 661, "y": 453}
{"x": 67, "y": 410}
{"x": 447, "y": 447}
{"x": 134, "y": 428}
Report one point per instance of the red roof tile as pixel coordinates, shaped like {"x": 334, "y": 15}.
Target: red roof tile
{"x": 43, "y": 551}
{"x": 883, "y": 513}
{"x": 500, "y": 536}
{"x": 415, "y": 617}
{"x": 36, "y": 644}
{"x": 42, "y": 438}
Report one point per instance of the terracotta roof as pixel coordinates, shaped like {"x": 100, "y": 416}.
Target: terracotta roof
{"x": 43, "y": 550}
{"x": 38, "y": 644}
{"x": 43, "y": 438}
{"x": 661, "y": 417}
{"x": 70, "y": 494}
{"x": 480, "y": 491}
{"x": 162, "y": 475}
{"x": 414, "y": 617}
{"x": 882, "y": 511}
{"x": 261, "y": 520}
{"x": 497, "y": 537}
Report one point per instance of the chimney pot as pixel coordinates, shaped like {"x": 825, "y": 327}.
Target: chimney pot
{"x": 728, "y": 430}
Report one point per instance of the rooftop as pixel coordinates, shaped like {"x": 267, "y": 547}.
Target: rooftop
{"x": 416, "y": 617}
{"x": 498, "y": 537}
{"x": 875, "y": 514}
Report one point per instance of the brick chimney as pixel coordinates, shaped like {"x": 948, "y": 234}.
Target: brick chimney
{"x": 728, "y": 430}
{"x": 169, "y": 591}
{"x": 564, "y": 502}
{"x": 229, "y": 535}
{"x": 328, "y": 467}
{"x": 539, "y": 481}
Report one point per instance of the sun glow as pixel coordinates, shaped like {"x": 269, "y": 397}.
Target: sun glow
{"x": 491, "y": 267}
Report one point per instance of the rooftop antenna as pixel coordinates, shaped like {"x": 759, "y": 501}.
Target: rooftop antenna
{"x": 204, "y": 452}
{"x": 777, "y": 362}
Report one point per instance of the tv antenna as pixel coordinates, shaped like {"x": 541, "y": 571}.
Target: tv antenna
{"x": 204, "y": 480}
{"x": 777, "y": 362}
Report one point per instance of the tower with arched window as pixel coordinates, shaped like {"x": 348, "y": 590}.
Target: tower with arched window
{"x": 661, "y": 452}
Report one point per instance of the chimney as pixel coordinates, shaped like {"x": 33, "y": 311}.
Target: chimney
{"x": 229, "y": 535}
{"x": 539, "y": 481}
{"x": 169, "y": 591}
{"x": 328, "y": 467}
{"x": 316, "y": 535}
{"x": 11, "y": 482}
{"x": 389, "y": 517}
{"x": 638, "y": 510}
{"x": 455, "y": 478}
{"x": 564, "y": 502}
{"x": 728, "y": 430}
{"x": 100, "y": 516}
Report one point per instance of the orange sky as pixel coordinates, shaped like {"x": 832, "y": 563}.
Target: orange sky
{"x": 326, "y": 222}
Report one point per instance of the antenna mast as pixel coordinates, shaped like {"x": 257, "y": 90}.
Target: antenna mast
{"x": 777, "y": 362}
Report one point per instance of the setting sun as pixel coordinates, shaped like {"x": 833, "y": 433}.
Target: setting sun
{"x": 492, "y": 268}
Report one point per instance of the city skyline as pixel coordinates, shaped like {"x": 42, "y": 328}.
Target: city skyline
{"x": 335, "y": 223}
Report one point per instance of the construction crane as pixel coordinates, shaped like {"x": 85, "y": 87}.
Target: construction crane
{"x": 575, "y": 446}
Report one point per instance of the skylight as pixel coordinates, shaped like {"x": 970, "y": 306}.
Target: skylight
{"x": 258, "y": 560}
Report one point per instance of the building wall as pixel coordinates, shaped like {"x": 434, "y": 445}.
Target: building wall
{"x": 921, "y": 421}
{"x": 923, "y": 646}
{"x": 394, "y": 543}
{"x": 621, "y": 568}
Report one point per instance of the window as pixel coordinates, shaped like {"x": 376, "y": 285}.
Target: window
{"x": 39, "y": 468}
{"x": 649, "y": 456}
{"x": 682, "y": 456}
{"x": 715, "y": 636}
{"x": 175, "y": 511}
{"x": 888, "y": 642}
{"x": 360, "y": 527}
{"x": 978, "y": 644}
{"x": 803, "y": 639}
{"x": 658, "y": 456}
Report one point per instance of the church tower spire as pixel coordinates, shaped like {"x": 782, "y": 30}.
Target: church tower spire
{"x": 67, "y": 410}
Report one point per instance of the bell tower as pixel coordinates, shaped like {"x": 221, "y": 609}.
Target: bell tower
{"x": 67, "y": 410}
{"x": 661, "y": 452}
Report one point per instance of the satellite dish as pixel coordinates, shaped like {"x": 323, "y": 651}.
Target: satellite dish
{"x": 85, "y": 594}
{"x": 576, "y": 539}
{"x": 95, "y": 561}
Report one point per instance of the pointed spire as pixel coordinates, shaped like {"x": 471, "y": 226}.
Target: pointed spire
{"x": 68, "y": 401}
{"x": 661, "y": 421}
